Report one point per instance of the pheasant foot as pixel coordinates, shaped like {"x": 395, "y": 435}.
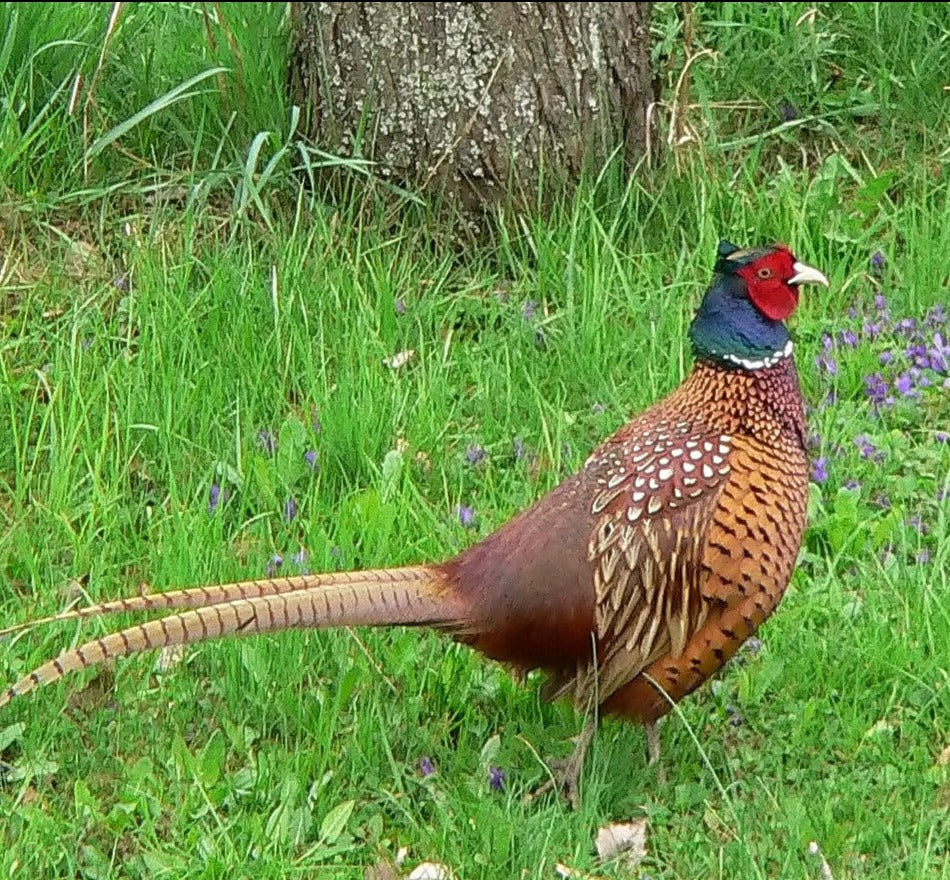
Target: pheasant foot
{"x": 566, "y": 774}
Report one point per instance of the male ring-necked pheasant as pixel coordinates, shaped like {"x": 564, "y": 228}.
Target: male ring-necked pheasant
{"x": 633, "y": 581}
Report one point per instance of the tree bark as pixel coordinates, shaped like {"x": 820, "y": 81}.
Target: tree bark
{"x": 481, "y": 101}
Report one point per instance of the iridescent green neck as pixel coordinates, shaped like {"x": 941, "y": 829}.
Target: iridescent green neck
{"x": 729, "y": 329}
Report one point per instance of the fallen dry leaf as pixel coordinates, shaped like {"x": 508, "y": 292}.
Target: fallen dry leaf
{"x": 624, "y": 842}
{"x": 169, "y": 656}
{"x": 430, "y": 871}
{"x": 824, "y": 868}
{"x": 944, "y": 757}
{"x": 399, "y": 359}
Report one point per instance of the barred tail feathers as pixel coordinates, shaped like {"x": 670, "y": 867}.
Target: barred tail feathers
{"x": 406, "y": 596}
{"x": 200, "y": 597}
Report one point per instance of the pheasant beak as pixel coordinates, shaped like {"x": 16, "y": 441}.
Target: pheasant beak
{"x": 807, "y": 275}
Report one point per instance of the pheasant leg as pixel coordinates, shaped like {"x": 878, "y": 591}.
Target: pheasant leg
{"x": 566, "y": 774}
{"x": 652, "y": 733}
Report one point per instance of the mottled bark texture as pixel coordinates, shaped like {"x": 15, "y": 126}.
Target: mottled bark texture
{"x": 481, "y": 99}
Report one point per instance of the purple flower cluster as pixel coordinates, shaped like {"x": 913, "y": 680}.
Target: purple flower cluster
{"x": 913, "y": 355}
{"x": 906, "y": 392}
{"x": 825, "y": 361}
{"x": 867, "y": 449}
{"x": 290, "y": 509}
{"x": 214, "y": 498}
{"x": 475, "y": 454}
{"x": 496, "y": 778}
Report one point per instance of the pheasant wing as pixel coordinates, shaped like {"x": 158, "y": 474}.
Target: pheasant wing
{"x": 658, "y": 492}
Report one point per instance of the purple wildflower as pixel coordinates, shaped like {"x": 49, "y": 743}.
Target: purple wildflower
{"x": 317, "y": 425}
{"x": 474, "y": 454}
{"x": 886, "y": 357}
{"x": 300, "y": 557}
{"x": 214, "y": 497}
{"x": 852, "y": 484}
{"x": 905, "y": 386}
{"x": 942, "y": 437}
{"x": 312, "y": 457}
{"x": 735, "y": 716}
{"x": 496, "y": 778}
{"x": 916, "y": 522}
{"x": 923, "y": 556}
{"x": 528, "y": 309}
{"x": 848, "y": 338}
{"x": 907, "y": 326}
{"x": 787, "y": 111}
{"x": 878, "y": 262}
{"x": 267, "y": 441}
{"x": 867, "y": 449}
{"x": 466, "y": 515}
{"x": 880, "y": 301}
{"x": 290, "y": 509}
{"x": 400, "y": 306}
{"x": 274, "y": 564}
{"x": 519, "y": 448}
{"x": 936, "y": 316}
{"x": 872, "y": 329}
{"x": 876, "y": 389}
{"x": 883, "y": 501}
{"x": 598, "y": 409}
{"x": 426, "y": 767}
{"x": 121, "y": 282}
{"x": 827, "y": 363}
{"x": 819, "y": 470}
{"x": 918, "y": 355}
{"x": 939, "y": 353}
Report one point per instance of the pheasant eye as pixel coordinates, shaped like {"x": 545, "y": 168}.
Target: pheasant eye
{"x": 764, "y": 273}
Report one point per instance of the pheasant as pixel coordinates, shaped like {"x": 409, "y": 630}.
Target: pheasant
{"x": 632, "y": 582}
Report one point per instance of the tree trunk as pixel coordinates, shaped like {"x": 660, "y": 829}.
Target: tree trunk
{"x": 481, "y": 101}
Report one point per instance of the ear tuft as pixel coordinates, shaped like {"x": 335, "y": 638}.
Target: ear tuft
{"x": 726, "y": 249}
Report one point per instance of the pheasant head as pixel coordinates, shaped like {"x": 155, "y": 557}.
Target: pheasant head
{"x": 740, "y": 322}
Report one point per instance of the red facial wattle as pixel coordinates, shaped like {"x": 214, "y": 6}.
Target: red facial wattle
{"x": 767, "y": 281}
{"x": 775, "y": 299}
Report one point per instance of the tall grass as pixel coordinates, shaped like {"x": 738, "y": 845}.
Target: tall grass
{"x": 191, "y": 339}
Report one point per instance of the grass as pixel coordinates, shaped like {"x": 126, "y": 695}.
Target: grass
{"x": 166, "y": 311}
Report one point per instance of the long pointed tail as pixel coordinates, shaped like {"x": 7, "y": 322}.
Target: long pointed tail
{"x": 199, "y": 597}
{"x": 418, "y": 595}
